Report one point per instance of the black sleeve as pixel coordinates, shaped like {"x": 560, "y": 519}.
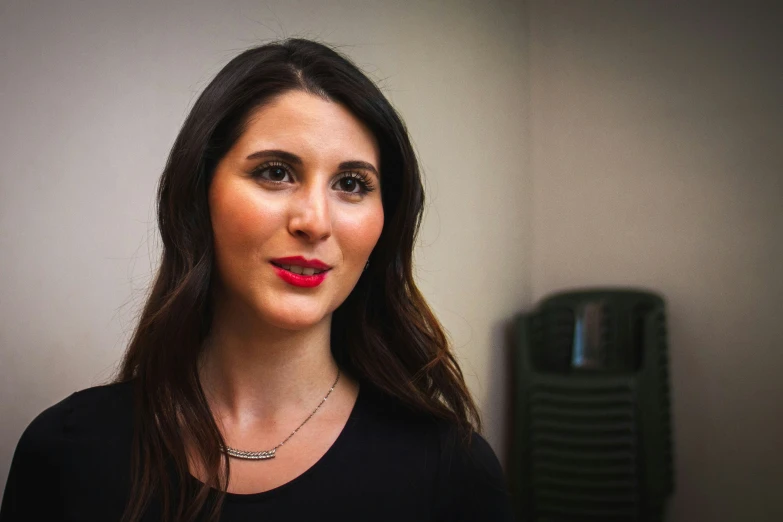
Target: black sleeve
{"x": 471, "y": 482}
{"x": 33, "y": 491}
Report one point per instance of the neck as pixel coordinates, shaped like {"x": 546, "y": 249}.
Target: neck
{"x": 252, "y": 371}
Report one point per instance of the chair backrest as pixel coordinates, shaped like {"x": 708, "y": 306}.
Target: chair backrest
{"x": 592, "y": 430}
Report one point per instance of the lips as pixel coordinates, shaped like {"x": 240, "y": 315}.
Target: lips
{"x": 301, "y": 272}
{"x": 302, "y": 262}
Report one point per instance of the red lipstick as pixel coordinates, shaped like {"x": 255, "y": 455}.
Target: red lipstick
{"x": 283, "y": 267}
{"x": 300, "y": 261}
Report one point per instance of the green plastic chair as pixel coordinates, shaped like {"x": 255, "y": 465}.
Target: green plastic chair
{"x": 592, "y": 424}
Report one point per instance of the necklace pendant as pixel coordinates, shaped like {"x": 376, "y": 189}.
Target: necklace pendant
{"x": 251, "y": 455}
{"x": 264, "y": 455}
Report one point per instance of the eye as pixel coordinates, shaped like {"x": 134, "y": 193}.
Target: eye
{"x": 354, "y": 183}
{"x": 273, "y": 171}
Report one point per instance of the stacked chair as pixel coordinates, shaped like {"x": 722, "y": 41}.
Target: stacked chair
{"x": 592, "y": 431}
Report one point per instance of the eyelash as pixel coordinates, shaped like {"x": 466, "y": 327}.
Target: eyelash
{"x": 365, "y": 184}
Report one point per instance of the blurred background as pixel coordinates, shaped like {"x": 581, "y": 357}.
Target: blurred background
{"x": 565, "y": 144}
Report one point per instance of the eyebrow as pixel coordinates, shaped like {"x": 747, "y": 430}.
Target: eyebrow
{"x": 296, "y": 160}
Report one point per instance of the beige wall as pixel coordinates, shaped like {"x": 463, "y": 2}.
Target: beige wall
{"x": 92, "y": 95}
{"x": 657, "y": 160}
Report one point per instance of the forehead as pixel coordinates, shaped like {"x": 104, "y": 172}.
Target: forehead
{"x": 310, "y": 127}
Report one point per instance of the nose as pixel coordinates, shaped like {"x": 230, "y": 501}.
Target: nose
{"x": 311, "y": 217}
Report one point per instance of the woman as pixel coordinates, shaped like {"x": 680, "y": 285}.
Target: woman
{"x": 285, "y": 366}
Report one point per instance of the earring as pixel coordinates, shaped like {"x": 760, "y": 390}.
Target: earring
{"x": 367, "y": 264}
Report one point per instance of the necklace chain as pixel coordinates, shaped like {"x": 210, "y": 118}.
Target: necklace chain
{"x": 270, "y": 454}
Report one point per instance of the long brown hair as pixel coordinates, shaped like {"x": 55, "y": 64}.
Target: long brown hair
{"x": 384, "y": 333}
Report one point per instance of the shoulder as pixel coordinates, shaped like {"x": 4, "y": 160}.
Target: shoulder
{"x": 386, "y": 417}
{"x": 458, "y": 456}
{"x": 466, "y": 477}
{"x": 90, "y": 411}
{"x": 101, "y": 412}
{"x": 61, "y": 442}
{"x": 471, "y": 483}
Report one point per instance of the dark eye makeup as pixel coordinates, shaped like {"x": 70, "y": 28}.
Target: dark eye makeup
{"x": 350, "y": 182}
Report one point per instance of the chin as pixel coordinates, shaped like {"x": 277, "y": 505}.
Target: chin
{"x": 293, "y": 318}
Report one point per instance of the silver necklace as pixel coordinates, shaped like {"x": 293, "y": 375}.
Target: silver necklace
{"x": 270, "y": 454}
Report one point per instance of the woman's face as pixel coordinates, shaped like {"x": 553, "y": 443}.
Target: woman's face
{"x": 302, "y": 181}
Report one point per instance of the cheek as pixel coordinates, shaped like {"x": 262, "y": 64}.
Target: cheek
{"x": 241, "y": 221}
{"x": 360, "y": 232}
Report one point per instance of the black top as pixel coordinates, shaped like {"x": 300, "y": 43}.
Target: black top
{"x": 388, "y": 464}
